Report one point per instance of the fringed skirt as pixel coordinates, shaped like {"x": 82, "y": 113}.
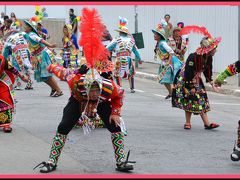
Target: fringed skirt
{"x": 195, "y": 101}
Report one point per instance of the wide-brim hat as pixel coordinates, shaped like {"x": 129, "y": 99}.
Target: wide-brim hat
{"x": 161, "y": 32}
{"x": 123, "y": 30}
{"x": 33, "y": 26}
{"x": 207, "y": 45}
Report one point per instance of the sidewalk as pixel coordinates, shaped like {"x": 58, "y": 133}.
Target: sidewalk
{"x": 149, "y": 71}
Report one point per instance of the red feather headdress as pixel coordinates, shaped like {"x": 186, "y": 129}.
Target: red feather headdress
{"x": 208, "y": 43}
{"x": 92, "y": 30}
{"x": 195, "y": 29}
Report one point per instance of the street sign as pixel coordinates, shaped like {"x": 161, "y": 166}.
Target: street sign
{"x": 138, "y": 40}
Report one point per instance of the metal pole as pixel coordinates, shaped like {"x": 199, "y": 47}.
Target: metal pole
{"x": 5, "y": 9}
{"x": 136, "y": 29}
{"x": 238, "y": 42}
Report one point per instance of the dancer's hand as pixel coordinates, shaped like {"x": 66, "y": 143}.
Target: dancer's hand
{"x": 53, "y": 45}
{"x": 215, "y": 87}
{"x": 116, "y": 119}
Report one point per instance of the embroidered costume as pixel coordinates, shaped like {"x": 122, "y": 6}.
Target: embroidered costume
{"x": 91, "y": 95}
{"x": 41, "y": 57}
{"x": 189, "y": 92}
{"x": 170, "y": 64}
{"x": 7, "y": 104}
{"x": 178, "y": 44}
{"x": 124, "y": 45}
{"x": 16, "y": 47}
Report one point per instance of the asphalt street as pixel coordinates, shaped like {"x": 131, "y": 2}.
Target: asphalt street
{"x": 155, "y": 137}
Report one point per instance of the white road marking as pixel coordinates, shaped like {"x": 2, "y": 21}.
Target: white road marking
{"x": 229, "y": 104}
{"x": 159, "y": 95}
{"x": 138, "y": 90}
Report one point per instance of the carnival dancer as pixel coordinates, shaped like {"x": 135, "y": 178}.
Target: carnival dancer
{"x": 42, "y": 57}
{"x": 124, "y": 45}
{"x": 16, "y": 47}
{"x": 231, "y": 70}
{"x": 106, "y": 39}
{"x": 178, "y": 44}
{"x": 170, "y": 64}
{"x": 91, "y": 96}
{"x": 7, "y": 104}
{"x": 189, "y": 92}
{"x": 70, "y": 49}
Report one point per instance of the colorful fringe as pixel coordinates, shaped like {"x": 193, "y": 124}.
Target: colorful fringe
{"x": 57, "y": 145}
{"x": 238, "y": 132}
{"x": 231, "y": 70}
{"x": 118, "y": 145}
{"x": 6, "y": 117}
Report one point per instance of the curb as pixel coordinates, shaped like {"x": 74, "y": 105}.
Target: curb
{"x": 153, "y": 77}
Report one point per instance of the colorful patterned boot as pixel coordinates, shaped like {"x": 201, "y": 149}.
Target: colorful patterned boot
{"x": 235, "y": 156}
{"x": 57, "y": 146}
{"x": 18, "y": 84}
{"x": 29, "y": 84}
{"x": 118, "y": 145}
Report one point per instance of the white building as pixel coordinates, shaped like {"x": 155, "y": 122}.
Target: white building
{"x": 219, "y": 20}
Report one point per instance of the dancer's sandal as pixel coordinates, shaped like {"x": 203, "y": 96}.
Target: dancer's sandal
{"x": 53, "y": 92}
{"x": 211, "y": 126}
{"x": 235, "y": 156}
{"x": 124, "y": 166}
{"x": 28, "y": 88}
{"x": 7, "y": 129}
{"x": 168, "y": 96}
{"x": 57, "y": 95}
{"x": 46, "y": 167}
{"x": 187, "y": 126}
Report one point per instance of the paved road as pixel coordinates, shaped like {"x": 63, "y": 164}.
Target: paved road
{"x": 156, "y": 136}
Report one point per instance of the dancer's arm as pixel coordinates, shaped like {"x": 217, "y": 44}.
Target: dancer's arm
{"x": 231, "y": 70}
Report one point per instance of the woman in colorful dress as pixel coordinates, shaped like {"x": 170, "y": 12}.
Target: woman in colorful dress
{"x": 170, "y": 64}
{"x": 16, "y": 49}
{"x": 7, "y": 78}
{"x": 42, "y": 57}
{"x": 189, "y": 92}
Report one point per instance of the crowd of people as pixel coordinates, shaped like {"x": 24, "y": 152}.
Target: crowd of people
{"x": 95, "y": 80}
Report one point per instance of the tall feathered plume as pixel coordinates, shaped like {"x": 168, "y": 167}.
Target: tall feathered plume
{"x": 92, "y": 29}
{"x": 195, "y": 29}
{"x": 122, "y": 22}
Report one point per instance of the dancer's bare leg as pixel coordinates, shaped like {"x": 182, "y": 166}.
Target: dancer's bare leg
{"x": 53, "y": 84}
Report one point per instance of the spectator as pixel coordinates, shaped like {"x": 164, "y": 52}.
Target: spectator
{"x": 7, "y": 26}
{"x": 73, "y": 21}
{"x": 4, "y": 23}
{"x": 107, "y": 38}
{"x": 185, "y": 36}
{"x": 13, "y": 17}
{"x": 168, "y": 28}
{"x": 2, "y": 17}
{"x": 42, "y": 31}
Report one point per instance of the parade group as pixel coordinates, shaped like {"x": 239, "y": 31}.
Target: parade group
{"x": 95, "y": 79}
